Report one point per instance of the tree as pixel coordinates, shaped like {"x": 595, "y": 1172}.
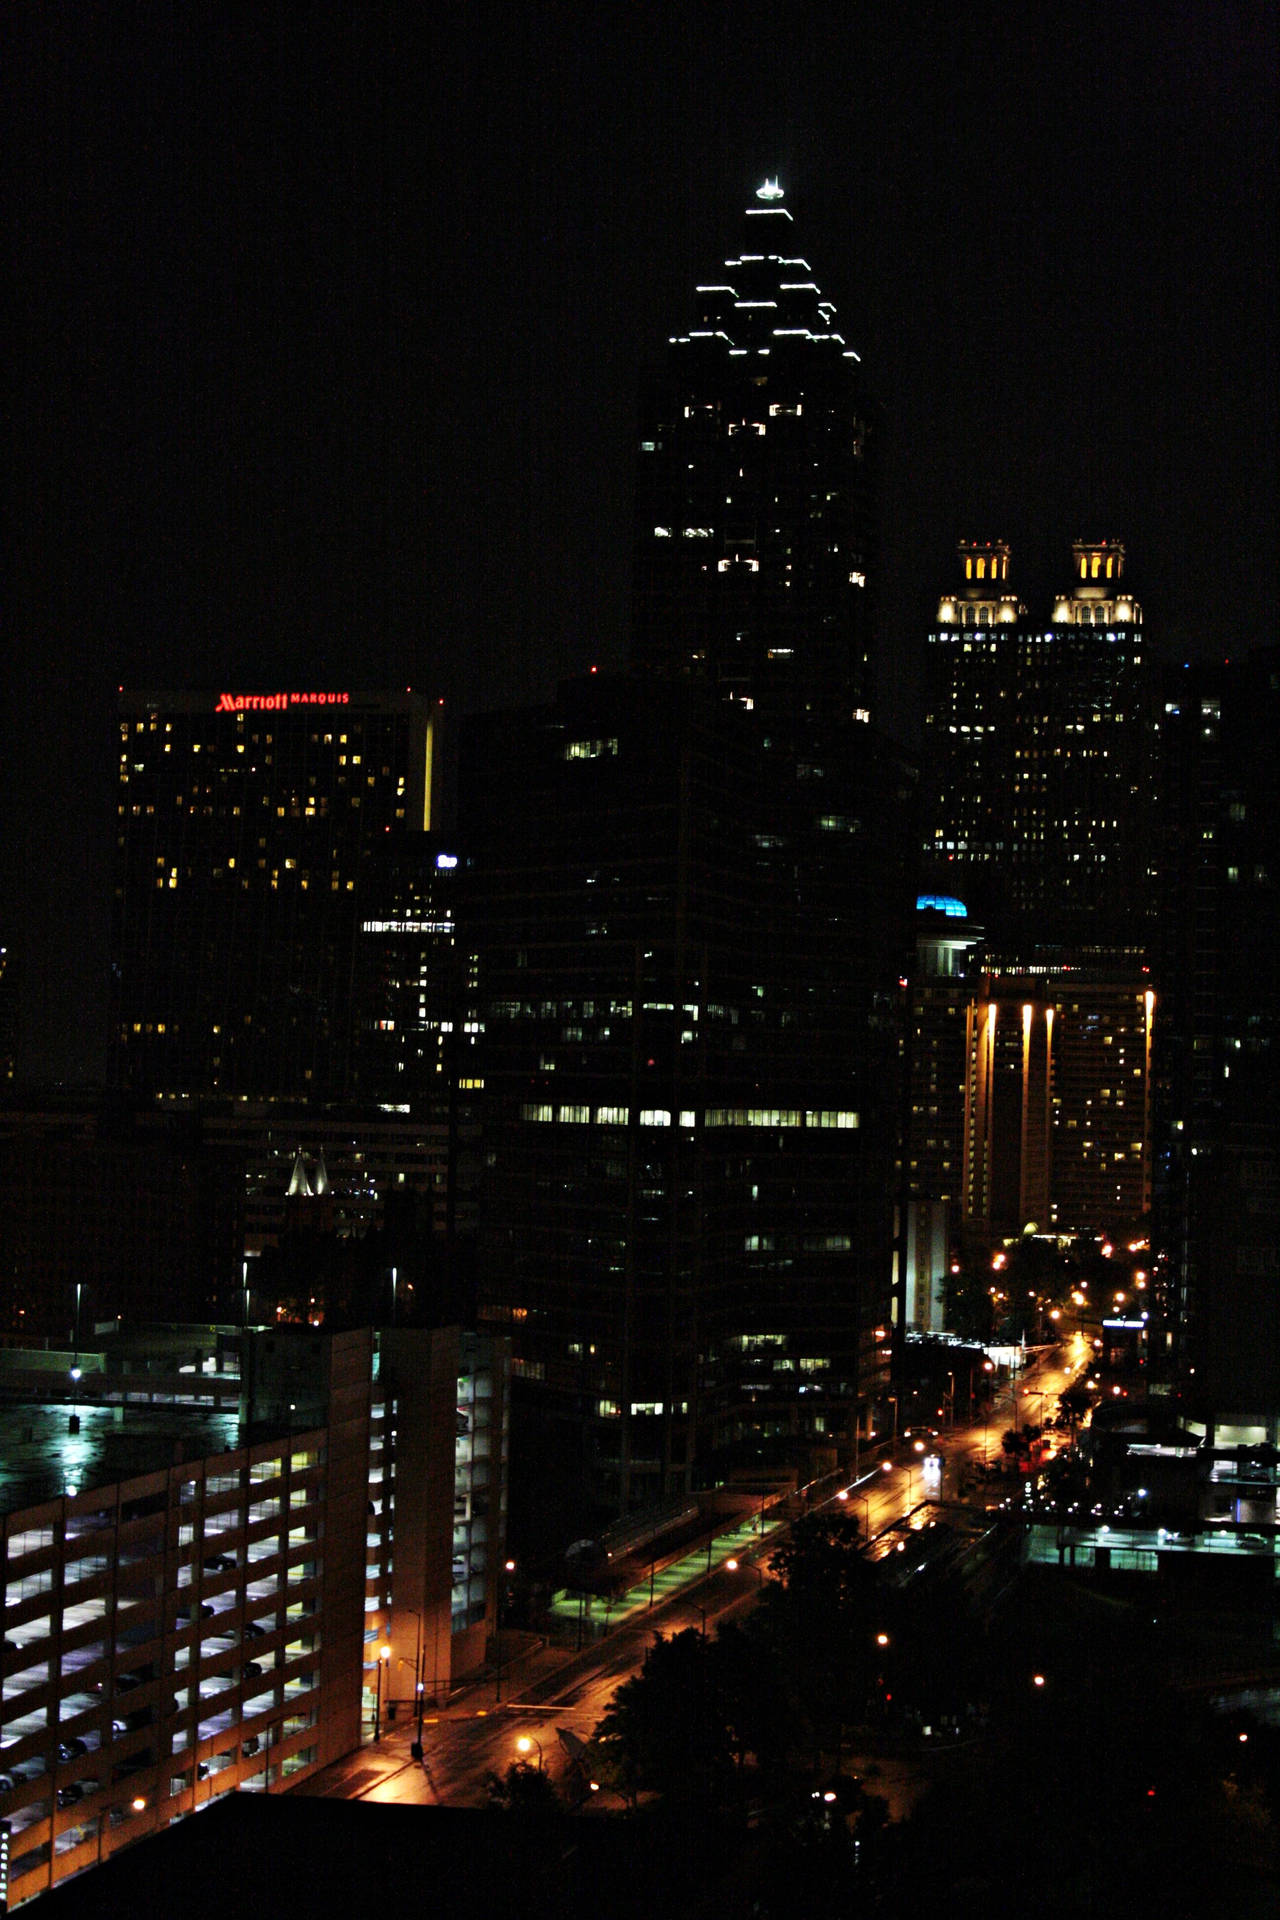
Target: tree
{"x": 969, "y": 1307}
{"x": 523, "y": 1789}
{"x": 817, "y": 1621}
{"x": 1075, "y": 1401}
{"x": 667, "y": 1729}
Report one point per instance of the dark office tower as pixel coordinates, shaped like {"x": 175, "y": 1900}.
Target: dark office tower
{"x": 410, "y": 973}
{"x": 756, "y": 560}
{"x": 685, "y": 939}
{"x": 1218, "y": 1212}
{"x": 1038, "y": 757}
{"x": 246, "y": 830}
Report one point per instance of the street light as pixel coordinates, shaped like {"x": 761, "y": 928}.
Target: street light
{"x": 525, "y": 1745}
{"x": 745, "y": 1566}
{"x": 74, "y": 1370}
{"x": 509, "y": 1567}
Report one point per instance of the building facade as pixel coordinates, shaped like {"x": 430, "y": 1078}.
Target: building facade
{"x": 1057, "y": 1102}
{"x": 224, "y": 1559}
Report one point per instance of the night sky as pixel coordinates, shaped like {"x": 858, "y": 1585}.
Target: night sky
{"x": 330, "y": 323}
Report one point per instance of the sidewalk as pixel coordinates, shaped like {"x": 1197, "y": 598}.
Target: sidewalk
{"x": 594, "y": 1616}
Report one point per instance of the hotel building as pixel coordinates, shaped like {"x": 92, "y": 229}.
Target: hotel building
{"x": 246, "y": 831}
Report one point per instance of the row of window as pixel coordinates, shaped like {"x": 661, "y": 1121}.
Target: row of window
{"x": 570, "y": 1114}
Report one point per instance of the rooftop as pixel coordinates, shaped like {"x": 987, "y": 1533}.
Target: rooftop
{"x": 52, "y": 1448}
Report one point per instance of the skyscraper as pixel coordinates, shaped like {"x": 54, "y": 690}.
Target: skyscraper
{"x": 690, "y": 891}
{"x": 247, "y": 825}
{"x": 688, "y": 947}
{"x": 1037, "y": 810}
{"x": 1218, "y": 1199}
{"x": 1038, "y": 748}
{"x": 285, "y": 955}
{"x": 756, "y": 553}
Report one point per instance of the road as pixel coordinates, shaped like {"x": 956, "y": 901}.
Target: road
{"x": 557, "y": 1690}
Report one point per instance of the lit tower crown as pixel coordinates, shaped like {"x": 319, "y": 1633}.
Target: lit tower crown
{"x": 1098, "y": 597}
{"x": 985, "y": 600}
{"x": 756, "y": 558}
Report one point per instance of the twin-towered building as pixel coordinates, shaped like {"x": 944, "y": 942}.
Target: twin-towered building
{"x": 1039, "y": 755}
{"x": 1031, "y": 1074}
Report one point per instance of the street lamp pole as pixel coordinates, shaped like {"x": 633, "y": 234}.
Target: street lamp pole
{"x": 384, "y": 1654}
{"x": 509, "y": 1566}
{"x": 745, "y": 1566}
{"x": 417, "y": 1671}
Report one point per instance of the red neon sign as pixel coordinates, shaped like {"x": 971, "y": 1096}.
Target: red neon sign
{"x": 273, "y": 702}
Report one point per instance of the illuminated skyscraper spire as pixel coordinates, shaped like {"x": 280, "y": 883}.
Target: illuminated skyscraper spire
{"x": 756, "y": 557}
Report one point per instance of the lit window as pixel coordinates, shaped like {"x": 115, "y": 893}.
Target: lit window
{"x": 589, "y": 749}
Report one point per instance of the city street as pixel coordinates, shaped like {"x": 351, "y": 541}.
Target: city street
{"x": 554, "y": 1691}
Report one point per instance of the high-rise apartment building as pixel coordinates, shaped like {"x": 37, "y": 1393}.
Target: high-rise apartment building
{"x": 1038, "y": 749}
{"x": 756, "y": 528}
{"x": 1057, "y": 1105}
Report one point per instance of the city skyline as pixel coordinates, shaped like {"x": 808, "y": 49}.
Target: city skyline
{"x": 331, "y": 341}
